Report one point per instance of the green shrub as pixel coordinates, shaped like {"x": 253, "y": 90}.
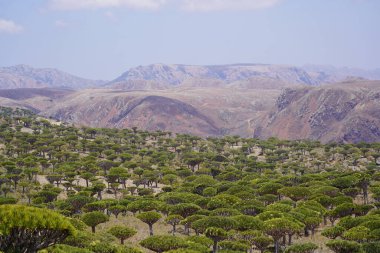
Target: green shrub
{"x": 161, "y": 243}
{"x": 301, "y": 248}
{"x": 341, "y": 246}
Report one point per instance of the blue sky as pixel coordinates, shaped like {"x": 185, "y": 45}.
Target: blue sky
{"x": 100, "y": 39}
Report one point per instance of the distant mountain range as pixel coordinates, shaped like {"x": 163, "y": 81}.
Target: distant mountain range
{"x": 250, "y": 100}
{"x": 161, "y": 76}
{"x": 164, "y": 76}
{"x": 24, "y": 76}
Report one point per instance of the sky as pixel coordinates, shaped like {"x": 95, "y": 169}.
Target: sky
{"x": 100, "y": 39}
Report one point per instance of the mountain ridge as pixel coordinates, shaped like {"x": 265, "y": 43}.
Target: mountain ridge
{"x": 25, "y": 76}
{"x": 166, "y": 76}
{"x": 175, "y": 75}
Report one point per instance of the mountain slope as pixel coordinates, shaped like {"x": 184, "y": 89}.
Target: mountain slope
{"x": 107, "y": 108}
{"x": 35, "y": 99}
{"x": 345, "y": 112}
{"x": 200, "y": 111}
{"x": 23, "y": 76}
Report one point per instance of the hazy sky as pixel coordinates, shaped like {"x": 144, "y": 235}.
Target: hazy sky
{"x": 102, "y": 38}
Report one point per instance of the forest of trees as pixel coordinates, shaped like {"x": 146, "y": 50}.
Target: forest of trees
{"x": 82, "y": 190}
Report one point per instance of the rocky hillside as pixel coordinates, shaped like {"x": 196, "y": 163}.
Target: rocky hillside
{"x": 150, "y": 112}
{"x": 23, "y": 76}
{"x": 345, "y": 112}
{"x": 204, "y": 112}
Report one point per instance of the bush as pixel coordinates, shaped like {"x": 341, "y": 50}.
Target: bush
{"x": 130, "y": 250}
{"x": 103, "y": 247}
{"x": 81, "y": 239}
{"x": 236, "y": 246}
{"x": 7, "y": 200}
{"x": 302, "y": 248}
{"x": 24, "y": 228}
{"x": 333, "y": 232}
{"x": 92, "y": 219}
{"x": 213, "y": 221}
{"x": 161, "y": 243}
{"x": 149, "y": 218}
{"x": 61, "y": 248}
{"x": 373, "y": 247}
{"x": 359, "y": 234}
{"x": 200, "y": 240}
{"x": 122, "y": 233}
{"x": 182, "y": 251}
{"x": 341, "y": 246}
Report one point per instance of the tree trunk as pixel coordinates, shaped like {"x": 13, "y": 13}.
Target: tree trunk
{"x": 306, "y": 232}
{"x": 215, "y": 247}
{"x": 187, "y": 229}
{"x": 174, "y": 229}
{"x": 93, "y": 229}
{"x": 122, "y": 241}
{"x": 150, "y": 229}
{"x": 276, "y": 246}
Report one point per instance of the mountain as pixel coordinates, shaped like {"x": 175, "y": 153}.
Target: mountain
{"x": 34, "y": 99}
{"x": 23, "y": 76}
{"x": 150, "y": 112}
{"x": 200, "y": 111}
{"x": 161, "y": 76}
{"x": 344, "y": 112}
{"x": 168, "y": 76}
{"x": 331, "y": 74}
